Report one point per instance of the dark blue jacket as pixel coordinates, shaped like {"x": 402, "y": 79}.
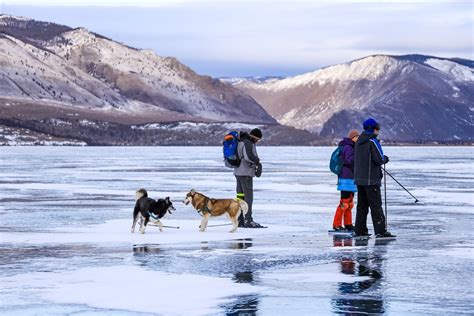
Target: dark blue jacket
{"x": 368, "y": 159}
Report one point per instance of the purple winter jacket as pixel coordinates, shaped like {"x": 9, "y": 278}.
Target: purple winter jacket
{"x": 347, "y": 158}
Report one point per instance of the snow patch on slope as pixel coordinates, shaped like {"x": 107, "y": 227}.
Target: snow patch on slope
{"x": 245, "y": 80}
{"x": 4, "y": 17}
{"x": 10, "y": 136}
{"x": 195, "y": 126}
{"x": 370, "y": 68}
{"x": 454, "y": 70}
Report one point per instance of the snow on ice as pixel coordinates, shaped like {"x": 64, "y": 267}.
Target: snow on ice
{"x": 118, "y": 231}
{"x": 132, "y": 288}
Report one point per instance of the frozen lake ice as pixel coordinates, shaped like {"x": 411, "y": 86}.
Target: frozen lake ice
{"x": 66, "y": 246}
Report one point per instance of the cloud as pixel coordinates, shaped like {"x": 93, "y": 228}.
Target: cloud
{"x": 160, "y": 3}
{"x": 251, "y": 37}
{"x": 98, "y": 3}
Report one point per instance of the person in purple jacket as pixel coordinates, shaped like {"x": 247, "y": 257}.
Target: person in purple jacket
{"x": 345, "y": 184}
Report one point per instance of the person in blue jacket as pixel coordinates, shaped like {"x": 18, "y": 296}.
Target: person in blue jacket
{"x": 368, "y": 161}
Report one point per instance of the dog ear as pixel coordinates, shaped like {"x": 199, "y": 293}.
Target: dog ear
{"x": 167, "y": 199}
{"x": 192, "y": 191}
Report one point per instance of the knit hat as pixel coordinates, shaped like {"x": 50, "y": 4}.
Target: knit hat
{"x": 353, "y": 133}
{"x": 370, "y": 124}
{"x": 256, "y": 132}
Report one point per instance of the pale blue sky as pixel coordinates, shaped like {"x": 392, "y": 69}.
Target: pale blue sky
{"x": 247, "y": 38}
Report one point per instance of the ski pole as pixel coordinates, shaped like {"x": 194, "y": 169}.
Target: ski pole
{"x": 416, "y": 200}
{"x": 385, "y": 197}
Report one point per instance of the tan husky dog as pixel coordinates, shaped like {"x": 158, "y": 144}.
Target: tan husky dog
{"x": 208, "y": 207}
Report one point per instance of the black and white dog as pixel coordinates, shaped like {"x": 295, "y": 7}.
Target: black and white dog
{"x": 146, "y": 207}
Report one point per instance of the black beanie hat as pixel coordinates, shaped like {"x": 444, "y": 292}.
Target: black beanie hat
{"x": 256, "y": 132}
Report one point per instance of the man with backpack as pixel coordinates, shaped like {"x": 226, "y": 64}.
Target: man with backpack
{"x": 368, "y": 161}
{"x": 345, "y": 182}
{"x": 246, "y": 166}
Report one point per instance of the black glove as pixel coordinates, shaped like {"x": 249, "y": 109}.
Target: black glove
{"x": 385, "y": 159}
{"x": 258, "y": 170}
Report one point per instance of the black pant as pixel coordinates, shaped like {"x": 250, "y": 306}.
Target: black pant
{"x": 245, "y": 192}
{"x": 369, "y": 196}
{"x": 346, "y": 194}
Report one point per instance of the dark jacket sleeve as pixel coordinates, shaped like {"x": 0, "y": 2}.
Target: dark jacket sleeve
{"x": 348, "y": 156}
{"x": 376, "y": 155}
{"x": 248, "y": 154}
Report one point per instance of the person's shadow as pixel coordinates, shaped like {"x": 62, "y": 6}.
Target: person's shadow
{"x": 246, "y": 305}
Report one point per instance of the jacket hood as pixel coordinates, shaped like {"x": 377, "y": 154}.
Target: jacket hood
{"x": 244, "y": 135}
{"x": 346, "y": 141}
{"x": 365, "y": 137}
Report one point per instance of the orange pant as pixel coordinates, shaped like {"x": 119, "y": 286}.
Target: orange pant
{"x": 344, "y": 210}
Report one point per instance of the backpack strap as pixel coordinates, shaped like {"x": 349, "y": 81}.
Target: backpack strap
{"x": 204, "y": 208}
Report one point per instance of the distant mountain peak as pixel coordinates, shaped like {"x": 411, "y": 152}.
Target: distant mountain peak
{"x": 255, "y": 79}
{"x": 4, "y": 17}
{"x": 368, "y": 68}
{"x": 78, "y": 36}
{"x": 417, "y": 96}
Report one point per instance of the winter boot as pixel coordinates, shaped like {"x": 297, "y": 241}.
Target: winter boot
{"x": 252, "y": 224}
{"x": 387, "y": 234}
{"x": 349, "y": 228}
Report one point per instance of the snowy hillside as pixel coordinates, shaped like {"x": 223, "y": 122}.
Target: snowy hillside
{"x": 392, "y": 88}
{"x": 454, "y": 70}
{"x": 75, "y": 67}
{"x": 370, "y": 68}
{"x": 257, "y": 79}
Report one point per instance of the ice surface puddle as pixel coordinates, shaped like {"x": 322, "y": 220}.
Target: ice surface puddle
{"x": 460, "y": 251}
{"x": 118, "y": 231}
{"x": 324, "y": 273}
{"x": 314, "y": 279}
{"x": 132, "y": 288}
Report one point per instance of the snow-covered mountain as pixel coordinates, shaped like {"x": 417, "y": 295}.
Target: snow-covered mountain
{"x": 59, "y": 66}
{"x": 415, "y": 97}
{"x": 256, "y": 79}
{"x": 52, "y": 73}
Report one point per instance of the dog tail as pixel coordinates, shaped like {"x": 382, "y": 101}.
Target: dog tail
{"x": 140, "y": 193}
{"x": 244, "y": 207}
